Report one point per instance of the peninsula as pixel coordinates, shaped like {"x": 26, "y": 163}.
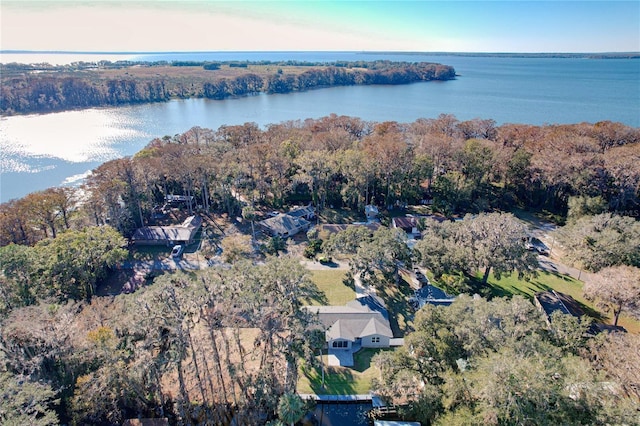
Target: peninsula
{"x": 44, "y": 88}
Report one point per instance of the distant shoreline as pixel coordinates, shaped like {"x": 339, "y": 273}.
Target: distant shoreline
{"x": 533, "y": 55}
{"x": 541, "y": 55}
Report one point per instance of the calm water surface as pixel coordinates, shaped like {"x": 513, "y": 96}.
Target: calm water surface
{"x": 40, "y": 151}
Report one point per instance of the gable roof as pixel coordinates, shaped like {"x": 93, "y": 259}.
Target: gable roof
{"x": 370, "y": 303}
{"x": 304, "y": 211}
{"x": 351, "y": 329}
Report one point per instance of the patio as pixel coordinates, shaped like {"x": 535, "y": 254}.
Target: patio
{"x": 339, "y": 357}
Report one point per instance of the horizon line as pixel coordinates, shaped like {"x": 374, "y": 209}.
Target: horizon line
{"x": 437, "y": 52}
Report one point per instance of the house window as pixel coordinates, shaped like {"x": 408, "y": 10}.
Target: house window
{"x": 375, "y": 340}
{"x": 340, "y": 344}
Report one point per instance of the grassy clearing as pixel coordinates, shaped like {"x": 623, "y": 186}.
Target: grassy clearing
{"x": 341, "y": 380}
{"x": 331, "y": 283}
{"x": 511, "y": 285}
{"x": 341, "y": 216}
{"x": 225, "y": 71}
{"x": 535, "y": 218}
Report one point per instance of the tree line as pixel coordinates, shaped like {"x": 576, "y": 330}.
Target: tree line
{"x": 456, "y": 166}
{"x": 57, "y": 89}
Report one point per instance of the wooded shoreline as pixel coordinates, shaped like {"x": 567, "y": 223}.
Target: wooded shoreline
{"x": 43, "y": 88}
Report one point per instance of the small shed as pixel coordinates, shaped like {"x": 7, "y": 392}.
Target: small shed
{"x": 371, "y": 212}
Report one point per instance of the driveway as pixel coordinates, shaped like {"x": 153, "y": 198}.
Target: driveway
{"x": 168, "y": 264}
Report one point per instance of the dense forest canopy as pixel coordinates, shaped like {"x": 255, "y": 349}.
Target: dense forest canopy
{"x": 458, "y": 166}
{"x": 45, "y": 88}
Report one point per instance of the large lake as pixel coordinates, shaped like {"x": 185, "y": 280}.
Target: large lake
{"x": 40, "y": 151}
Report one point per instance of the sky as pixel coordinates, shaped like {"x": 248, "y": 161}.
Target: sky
{"x": 424, "y": 26}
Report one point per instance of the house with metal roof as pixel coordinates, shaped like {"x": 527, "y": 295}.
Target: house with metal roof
{"x": 307, "y": 212}
{"x": 168, "y": 235}
{"x": 408, "y": 224}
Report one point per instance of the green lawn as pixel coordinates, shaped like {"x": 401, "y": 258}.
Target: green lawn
{"x": 510, "y": 285}
{"x": 340, "y": 380}
{"x": 331, "y": 282}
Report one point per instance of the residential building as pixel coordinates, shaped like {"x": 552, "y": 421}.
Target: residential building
{"x": 361, "y": 323}
{"x": 168, "y": 235}
{"x": 284, "y": 225}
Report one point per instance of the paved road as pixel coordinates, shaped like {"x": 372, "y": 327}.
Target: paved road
{"x": 553, "y": 265}
{"x": 544, "y": 232}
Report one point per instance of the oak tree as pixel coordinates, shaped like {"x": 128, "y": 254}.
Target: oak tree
{"x": 616, "y": 288}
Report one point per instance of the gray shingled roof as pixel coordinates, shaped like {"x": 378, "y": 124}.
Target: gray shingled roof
{"x": 371, "y": 303}
{"x": 351, "y": 329}
{"x": 284, "y": 224}
{"x": 304, "y": 211}
{"x": 361, "y": 317}
{"x": 162, "y": 233}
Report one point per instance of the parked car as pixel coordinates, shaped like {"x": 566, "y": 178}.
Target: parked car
{"x": 536, "y": 245}
{"x": 542, "y": 249}
{"x": 422, "y": 278}
{"x": 177, "y": 251}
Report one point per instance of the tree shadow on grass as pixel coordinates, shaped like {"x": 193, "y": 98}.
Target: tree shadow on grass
{"x": 487, "y": 290}
{"x": 400, "y": 313}
{"x": 362, "y": 358}
{"x": 337, "y": 380}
